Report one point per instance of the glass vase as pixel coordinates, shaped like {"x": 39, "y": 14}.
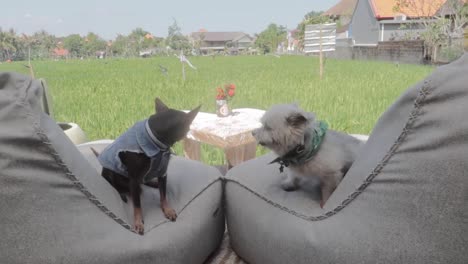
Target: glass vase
{"x": 222, "y": 108}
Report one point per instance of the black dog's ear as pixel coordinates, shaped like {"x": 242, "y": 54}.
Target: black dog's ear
{"x": 160, "y": 106}
{"x": 296, "y": 119}
{"x": 192, "y": 114}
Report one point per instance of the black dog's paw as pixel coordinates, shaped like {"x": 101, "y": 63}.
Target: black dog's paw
{"x": 139, "y": 227}
{"x": 170, "y": 213}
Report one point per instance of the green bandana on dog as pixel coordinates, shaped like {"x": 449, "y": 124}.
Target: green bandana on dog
{"x": 303, "y": 153}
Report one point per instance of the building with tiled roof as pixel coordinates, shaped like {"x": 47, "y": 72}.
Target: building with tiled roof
{"x": 342, "y": 8}
{"x": 342, "y": 13}
{"x": 219, "y": 41}
{"x": 60, "y": 52}
{"x": 388, "y": 9}
{"x": 384, "y": 20}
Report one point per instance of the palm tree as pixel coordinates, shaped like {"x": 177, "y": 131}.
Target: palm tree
{"x": 7, "y": 43}
{"x": 43, "y": 44}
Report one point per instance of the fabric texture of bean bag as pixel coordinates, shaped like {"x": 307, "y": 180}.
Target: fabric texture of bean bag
{"x": 404, "y": 200}
{"x": 56, "y": 208}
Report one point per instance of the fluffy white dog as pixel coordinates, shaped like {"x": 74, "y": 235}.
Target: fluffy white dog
{"x": 307, "y": 147}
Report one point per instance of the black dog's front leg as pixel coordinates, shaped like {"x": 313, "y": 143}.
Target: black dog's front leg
{"x": 167, "y": 210}
{"x": 135, "y": 192}
{"x": 136, "y": 164}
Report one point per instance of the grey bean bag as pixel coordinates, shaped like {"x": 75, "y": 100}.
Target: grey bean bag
{"x": 55, "y": 208}
{"x": 405, "y": 199}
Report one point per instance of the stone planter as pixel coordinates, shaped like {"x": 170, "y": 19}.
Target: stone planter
{"x": 74, "y": 133}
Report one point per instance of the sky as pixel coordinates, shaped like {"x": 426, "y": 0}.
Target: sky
{"x": 108, "y": 18}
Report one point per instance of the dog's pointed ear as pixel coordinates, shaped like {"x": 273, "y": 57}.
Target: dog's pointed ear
{"x": 296, "y": 119}
{"x": 159, "y": 106}
{"x": 192, "y": 114}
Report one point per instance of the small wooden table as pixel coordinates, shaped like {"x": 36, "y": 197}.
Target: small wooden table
{"x": 232, "y": 134}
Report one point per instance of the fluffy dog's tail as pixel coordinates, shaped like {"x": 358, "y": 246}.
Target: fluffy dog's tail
{"x": 95, "y": 152}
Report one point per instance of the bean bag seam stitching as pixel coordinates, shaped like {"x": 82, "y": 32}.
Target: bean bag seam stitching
{"x": 187, "y": 204}
{"x": 44, "y": 138}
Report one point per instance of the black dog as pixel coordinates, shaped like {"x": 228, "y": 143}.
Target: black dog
{"x": 141, "y": 156}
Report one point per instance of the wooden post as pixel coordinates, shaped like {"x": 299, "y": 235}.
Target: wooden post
{"x": 183, "y": 70}
{"x": 321, "y": 55}
{"x": 31, "y": 70}
{"x": 181, "y": 58}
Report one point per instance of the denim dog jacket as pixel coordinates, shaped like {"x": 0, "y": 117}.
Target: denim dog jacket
{"x": 139, "y": 139}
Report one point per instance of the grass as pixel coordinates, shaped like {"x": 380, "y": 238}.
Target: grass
{"x": 105, "y": 97}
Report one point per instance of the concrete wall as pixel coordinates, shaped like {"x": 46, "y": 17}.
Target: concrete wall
{"x": 400, "y": 31}
{"x": 396, "y": 51}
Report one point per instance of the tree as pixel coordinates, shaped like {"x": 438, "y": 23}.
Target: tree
{"x": 75, "y": 45}
{"x": 269, "y": 39}
{"x": 441, "y": 23}
{"x": 175, "y": 40}
{"x": 311, "y": 18}
{"x": 8, "y": 44}
{"x": 36, "y": 46}
{"x": 19, "y": 47}
{"x": 313, "y": 15}
{"x": 25, "y": 47}
{"x": 42, "y": 45}
{"x": 93, "y": 43}
{"x": 121, "y": 46}
{"x": 197, "y": 42}
{"x": 457, "y": 11}
{"x": 136, "y": 38}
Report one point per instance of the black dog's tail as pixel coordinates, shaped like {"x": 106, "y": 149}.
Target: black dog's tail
{"x": 95, "y": 152}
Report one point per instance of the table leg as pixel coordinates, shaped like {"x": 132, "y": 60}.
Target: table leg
{"x": 238, "y": 154}
{"x": 192, "y": 149}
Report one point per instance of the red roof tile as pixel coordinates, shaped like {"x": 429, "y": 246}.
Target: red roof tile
{"x": 60, "y": 52}
{"x": 415, "y": 8}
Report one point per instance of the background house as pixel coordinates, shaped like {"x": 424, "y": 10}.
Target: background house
{"x": 342, "y": 13}
{"x": 293, "y": 41}
{"x": 60, "y": 52}
{"x": 377, "y": 20}
{"x": 209, "y": 42}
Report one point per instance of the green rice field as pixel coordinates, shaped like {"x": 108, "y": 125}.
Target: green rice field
{"x": 105, "y": 97}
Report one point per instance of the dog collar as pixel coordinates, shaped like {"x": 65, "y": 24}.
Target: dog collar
{"x": 158, "y": 163}
{"x": 155, "y": 140}
{"x": 302, "y": 152}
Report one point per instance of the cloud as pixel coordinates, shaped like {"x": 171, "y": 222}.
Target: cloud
{"x": 59, "y": 21}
